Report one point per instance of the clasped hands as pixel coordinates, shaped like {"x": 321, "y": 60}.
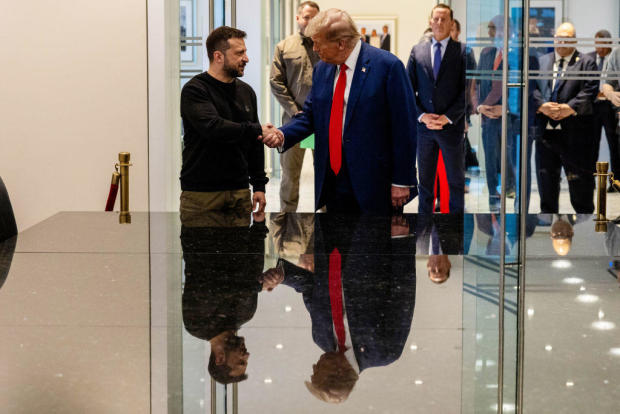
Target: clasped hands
{"x": 556, "y": 111}
{"x": 491, "y": 111}
{"x": 271, "y": 136}
{"x": 434, "y": 122}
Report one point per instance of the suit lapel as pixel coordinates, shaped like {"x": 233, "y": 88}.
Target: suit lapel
{"x": 426, "y": 60}
{"x": 362, "y": 67}
{"x": 561, "y": 82}
{"x": 447, "y": 58}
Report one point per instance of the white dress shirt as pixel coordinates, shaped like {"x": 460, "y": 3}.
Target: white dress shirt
{"x": 350, "y": 62}
{"x": 349, "y": 354}
{"x": 444, "y": 45}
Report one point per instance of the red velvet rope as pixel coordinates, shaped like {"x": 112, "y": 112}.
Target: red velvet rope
{"x": 111, "y": 197}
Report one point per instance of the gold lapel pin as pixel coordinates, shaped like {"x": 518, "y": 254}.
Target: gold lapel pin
{"x": 363, "y": 69}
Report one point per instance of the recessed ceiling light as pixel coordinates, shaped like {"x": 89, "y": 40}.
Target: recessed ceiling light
{"x": 413, "y": 347}
{"x": 561, "y": 264}
{"x": 268, "y": 381}
{"x": 603, "y": 325}
{"x": 587, "y": 298}
{"x": 570, "y": 383}
{"x": 419, "y": 382}
{"x": 572, "y": 280}
{"x": 279, "y": 346}
{"x": 615, "y": 352}
{"x": 287, "y": 308}
{"x": 548, "y": 347}
{"x": 530, "y": 312}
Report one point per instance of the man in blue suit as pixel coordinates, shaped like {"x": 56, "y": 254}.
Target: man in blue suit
{"x": 361, "y": 110}
{"x": 360, "y": 296}
{"x": 437, "y": 73}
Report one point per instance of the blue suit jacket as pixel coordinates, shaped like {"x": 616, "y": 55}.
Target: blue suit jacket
{"x": 378, "y": 282}
{"x": 379, "y": 135}
{"x": 444, "y": 95}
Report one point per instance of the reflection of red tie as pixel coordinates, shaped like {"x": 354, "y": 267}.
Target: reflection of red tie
{"x": 498, "y": 60}
{"x": 335, "y": 296}
{"x": 335, "y": 122}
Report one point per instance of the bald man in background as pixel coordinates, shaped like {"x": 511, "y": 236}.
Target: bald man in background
{"x": 565, "y": 123}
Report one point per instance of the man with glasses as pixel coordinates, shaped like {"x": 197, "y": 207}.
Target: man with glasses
{"x": 565, "y": 123}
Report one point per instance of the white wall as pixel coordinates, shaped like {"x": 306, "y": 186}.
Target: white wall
{"x": 412, "y": 17}
{"x": 164, "y": 105}
{"x": 74, "y": 95}
{"x": 593, "y": 15}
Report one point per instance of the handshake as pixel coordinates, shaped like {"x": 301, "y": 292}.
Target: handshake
{"x": 272, "y": 136}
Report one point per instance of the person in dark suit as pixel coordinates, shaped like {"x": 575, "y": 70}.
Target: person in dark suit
{"x": 437, "y": 73}
{"x": 221, "y": 290}
{"x": 565, "y": 124}
{"x": 360, "y": 110}
{"x": 360, "y": 297}
{"x": 439, "y": 235}
{"x": 385, "y": 39}
{"x": 604, "y": 111}
{"x": 490, "y": 107}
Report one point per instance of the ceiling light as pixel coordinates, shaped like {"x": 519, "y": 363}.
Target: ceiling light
{"x": 615, "y": 352}
{"x": 570, "y": 383}
{"x": 268, "y": 380}
{"x": 287, "y": 308}
{"x": 603, "y": 325}
{"x": 561, "y": 264}
{"x": 587, "y": 298}
{"x": 572, "y": 280}
{"x": 548, "y": 347}
{"x": 279, "y": 346}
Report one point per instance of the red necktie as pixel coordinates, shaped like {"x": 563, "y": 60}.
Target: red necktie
{"x": 335, "y": 122}
{"x": 498, "y": 60}
{"x": 335, "y": 296}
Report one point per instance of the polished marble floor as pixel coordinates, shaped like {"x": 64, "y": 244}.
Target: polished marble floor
{"x": 97, "y": 317}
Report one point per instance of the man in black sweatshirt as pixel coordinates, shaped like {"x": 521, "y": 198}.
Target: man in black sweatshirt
{"x": 221, "y": 154}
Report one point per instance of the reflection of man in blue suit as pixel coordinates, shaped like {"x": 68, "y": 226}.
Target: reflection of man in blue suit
{"x": 437, "y": 72}
{"x": 377, "y": 297}
{"x": 361, "y": 110}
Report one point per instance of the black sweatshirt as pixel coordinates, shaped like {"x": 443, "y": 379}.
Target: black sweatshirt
{"x": 221, "y": 151}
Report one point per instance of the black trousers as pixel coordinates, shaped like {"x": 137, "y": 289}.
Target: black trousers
{"x": 561, "y": 149}
{"x": 605, "y": 118}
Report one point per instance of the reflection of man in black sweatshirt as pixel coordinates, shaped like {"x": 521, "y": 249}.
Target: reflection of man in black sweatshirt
{"x": 224, "y": 259}
{"x": 221, "y": 154}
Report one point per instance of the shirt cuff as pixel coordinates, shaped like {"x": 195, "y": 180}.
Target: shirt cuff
{"x": 449, "y": 120}
{"x": 420, "y": 117}
{"x": 402, "y": 186}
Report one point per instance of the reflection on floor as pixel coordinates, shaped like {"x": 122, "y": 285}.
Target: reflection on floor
{"x": 96, "y": 317}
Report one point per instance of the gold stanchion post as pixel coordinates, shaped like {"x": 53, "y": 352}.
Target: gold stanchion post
{"x": 600, "y": 225}
{"x": 123, "y": 160}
